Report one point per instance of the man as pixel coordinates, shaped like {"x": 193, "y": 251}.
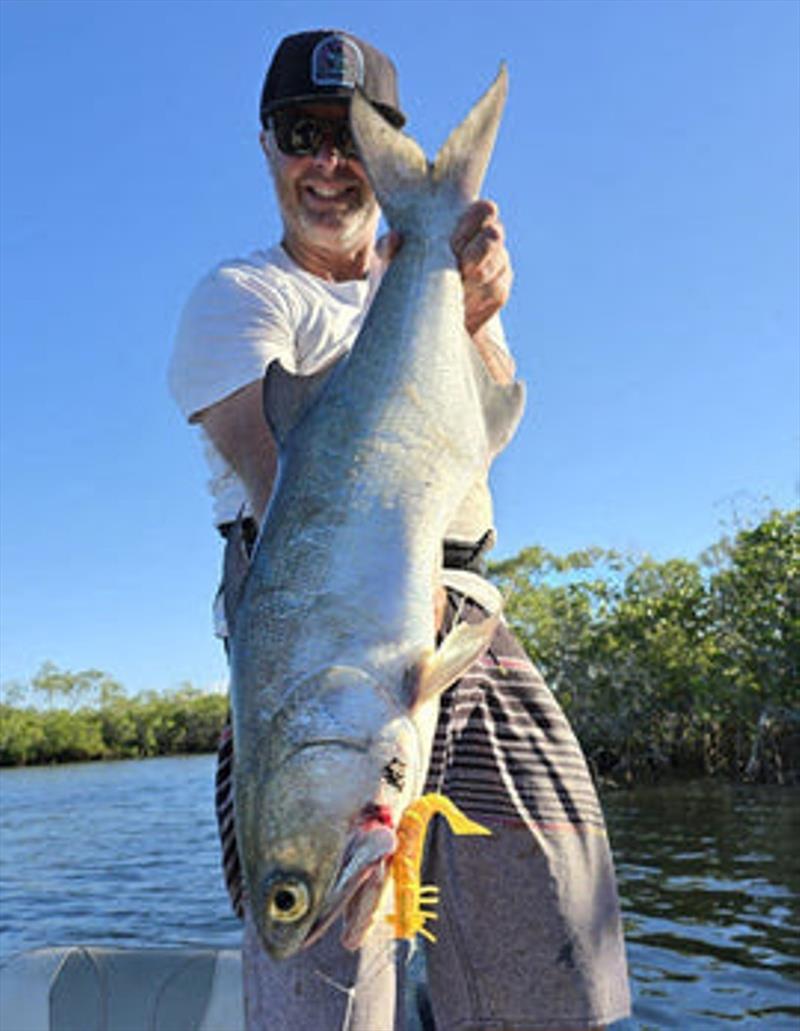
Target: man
{"x": 529, "y": 931}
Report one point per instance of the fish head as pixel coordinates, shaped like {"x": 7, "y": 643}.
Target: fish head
{"x": 316, "y": 831}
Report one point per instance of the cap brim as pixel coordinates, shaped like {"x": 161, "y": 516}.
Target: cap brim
{"x": 337, "y": 93}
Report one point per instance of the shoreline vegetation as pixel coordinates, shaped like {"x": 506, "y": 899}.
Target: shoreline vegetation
{"x": 665, "y": 669}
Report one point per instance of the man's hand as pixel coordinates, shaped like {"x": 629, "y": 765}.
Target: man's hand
{"x": 478, "y": 243}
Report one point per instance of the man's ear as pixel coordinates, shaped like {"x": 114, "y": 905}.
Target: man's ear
{"x": 267, "y": 141}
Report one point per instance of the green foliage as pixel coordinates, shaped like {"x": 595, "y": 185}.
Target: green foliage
{"x": 756, "y": 596}
{"x": 21, "y": 736}
{"x": 674, "y": 665}
{"x": 74, "y": 689}
{"x": 112, "y": 726}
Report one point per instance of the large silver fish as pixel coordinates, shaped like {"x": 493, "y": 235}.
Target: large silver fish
{"x": 335, "y": 674}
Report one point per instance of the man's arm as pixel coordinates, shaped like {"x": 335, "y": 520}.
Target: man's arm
{"x": 238, "y": 430}
{"x": 478, "y": 243}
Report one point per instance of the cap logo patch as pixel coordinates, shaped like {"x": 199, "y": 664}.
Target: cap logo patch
{"x": 337, "y": 61}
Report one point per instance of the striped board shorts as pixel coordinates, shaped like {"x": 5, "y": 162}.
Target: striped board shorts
{"x": 529, "y": 932}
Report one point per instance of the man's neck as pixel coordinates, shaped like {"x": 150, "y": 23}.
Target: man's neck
{"x": 333, "y": 265}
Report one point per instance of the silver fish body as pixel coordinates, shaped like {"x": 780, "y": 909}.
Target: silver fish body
{"x": 335, "y": 675}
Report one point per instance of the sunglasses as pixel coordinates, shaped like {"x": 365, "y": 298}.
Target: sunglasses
{"x": 302, "y": 135}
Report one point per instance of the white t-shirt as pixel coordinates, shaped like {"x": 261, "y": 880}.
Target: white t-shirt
{"x": 248, "y": 312}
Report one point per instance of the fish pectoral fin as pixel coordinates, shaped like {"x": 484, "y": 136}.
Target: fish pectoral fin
{"x": 458, "y": 651}
{"x": 287, "y": 396}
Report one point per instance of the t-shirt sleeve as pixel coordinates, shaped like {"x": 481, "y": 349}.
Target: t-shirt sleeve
{"x": 233, "y": 325}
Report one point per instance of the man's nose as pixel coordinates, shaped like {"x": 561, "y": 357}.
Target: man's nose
{"x": 328, "y": 154}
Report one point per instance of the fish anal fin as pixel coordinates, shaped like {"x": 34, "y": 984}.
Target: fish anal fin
{"x": 435, "y": 672}
{"x": 503, "y": 405}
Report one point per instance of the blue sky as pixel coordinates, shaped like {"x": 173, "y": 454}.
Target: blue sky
{"x": 647, "y": 173}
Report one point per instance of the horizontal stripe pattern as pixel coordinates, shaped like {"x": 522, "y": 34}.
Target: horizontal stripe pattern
{"x": 503, "y": 749}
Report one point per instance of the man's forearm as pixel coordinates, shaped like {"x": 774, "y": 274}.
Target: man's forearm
{"x": 498, "y": 361}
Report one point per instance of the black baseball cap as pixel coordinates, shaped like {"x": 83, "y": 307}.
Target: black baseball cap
{"x": 329, "y": 63}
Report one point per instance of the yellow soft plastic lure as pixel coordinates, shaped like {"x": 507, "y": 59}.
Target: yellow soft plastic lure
{"x": 410, "y": 896}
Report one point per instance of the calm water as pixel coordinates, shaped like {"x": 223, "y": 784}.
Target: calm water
{"x": 126, "y": 853}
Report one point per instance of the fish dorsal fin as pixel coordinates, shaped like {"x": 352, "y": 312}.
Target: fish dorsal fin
{"x": 399, "y": 171}
{"x": 435, "y": 672}
{"x": 288, "y": 396}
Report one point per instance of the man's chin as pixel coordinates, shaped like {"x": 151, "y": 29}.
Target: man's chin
{"x": 336, "y": 229}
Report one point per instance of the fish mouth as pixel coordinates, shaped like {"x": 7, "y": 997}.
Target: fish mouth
{"x": 359, "y": 884}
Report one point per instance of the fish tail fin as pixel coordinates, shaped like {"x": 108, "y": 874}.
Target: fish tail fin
{"x": 399, "y": 171}
{"x": 462, "y": 161}
{"x": 395, "y": 163}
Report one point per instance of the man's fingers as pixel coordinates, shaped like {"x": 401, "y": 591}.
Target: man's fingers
{"x": 478, "y": 243}
{"x": 485, "y": 256}
{"x": 470, "y": 223}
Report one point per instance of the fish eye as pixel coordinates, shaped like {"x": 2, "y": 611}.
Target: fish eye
{"x": 288, "y": 901}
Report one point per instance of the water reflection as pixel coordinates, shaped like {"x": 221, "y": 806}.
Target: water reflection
{"x": 709, "y": 879}
{"x": 121, "y": 853}
{"x": 126, "y": 853}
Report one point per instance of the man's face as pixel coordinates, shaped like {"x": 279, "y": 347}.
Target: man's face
{"x": 325, "y": 198}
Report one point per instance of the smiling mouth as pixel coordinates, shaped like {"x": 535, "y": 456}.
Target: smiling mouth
{"x": 331, "y": 195}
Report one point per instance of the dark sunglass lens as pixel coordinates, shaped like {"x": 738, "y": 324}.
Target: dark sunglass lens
{"x": 345, "y": 143}
{"x": 306, "y": 136}
{"x": 302, "y": 135}
{"x": 282, "y": 131}
{"x": 296, "y": 135}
